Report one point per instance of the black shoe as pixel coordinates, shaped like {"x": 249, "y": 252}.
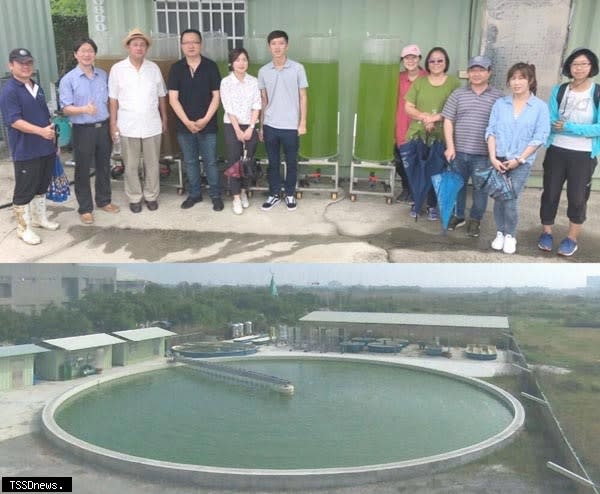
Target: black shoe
{"x": 135, "y": 207}
{"x": 190, "y": 201}
{"x": 218, "y": 204}
{"x": 152, "y": 205}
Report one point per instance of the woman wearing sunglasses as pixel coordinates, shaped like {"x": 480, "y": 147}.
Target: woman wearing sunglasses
{"x": 519, "y": 124}
{"x": 424, "y": 103}
{"x": 574, "y": 146}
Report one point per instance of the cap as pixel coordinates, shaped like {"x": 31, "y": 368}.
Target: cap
{"x": 410, "y": 50}
{"x": 134, "y": 34}
{"x": 21, "y": 55}
{"x": 480, "y": 61}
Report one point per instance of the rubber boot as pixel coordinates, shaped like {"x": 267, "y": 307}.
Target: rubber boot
{"x": 39, "y": 218}
{"x": 24, "y": 231}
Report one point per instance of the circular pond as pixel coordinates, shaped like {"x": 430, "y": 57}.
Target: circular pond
{"x": 345, "y": 416}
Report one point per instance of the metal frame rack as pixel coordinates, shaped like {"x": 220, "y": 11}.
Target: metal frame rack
{"x": 373, "y": 181}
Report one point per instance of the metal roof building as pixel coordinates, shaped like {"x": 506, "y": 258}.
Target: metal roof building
{"x": 326, "y": 329}
{"x": 73, "y": 356}
{"x": 17, "y": 365}
{"x": 140, "y": 344}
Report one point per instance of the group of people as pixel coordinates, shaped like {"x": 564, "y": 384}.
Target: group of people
{"x": 480, "y": 128}
{"x": 483, "y": 130}
{"x": 129, "y": 107}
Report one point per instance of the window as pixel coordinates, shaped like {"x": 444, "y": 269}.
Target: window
{"x": 228, "y": 17}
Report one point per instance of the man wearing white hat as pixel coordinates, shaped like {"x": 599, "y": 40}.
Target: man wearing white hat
{"x": 138, "y": 117}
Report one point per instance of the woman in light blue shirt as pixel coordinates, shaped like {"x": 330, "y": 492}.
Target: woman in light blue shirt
{"x": 519, "y": 124}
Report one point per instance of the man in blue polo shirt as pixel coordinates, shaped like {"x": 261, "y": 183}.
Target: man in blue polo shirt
{"x": 466, "y": 115}
{"x": 31, "y": 138}
{"x": 84, "y": 99}
{"x": 282, "y": 83}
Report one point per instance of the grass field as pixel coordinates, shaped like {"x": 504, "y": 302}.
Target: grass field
{"x": 575, "y": 396}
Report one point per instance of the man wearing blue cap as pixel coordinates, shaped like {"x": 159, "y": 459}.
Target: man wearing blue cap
{"x": 466, "y": 115}
{"x": 31, "y": 138}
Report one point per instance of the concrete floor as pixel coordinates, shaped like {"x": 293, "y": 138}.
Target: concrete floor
{"x": 320, "y": 230}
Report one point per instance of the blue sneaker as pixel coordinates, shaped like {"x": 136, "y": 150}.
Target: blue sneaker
{"x": 413, "y": 211}
{"x": 567, "y": 247}
{"x": 545, "y": 242}
{"x": 432, "y": 214}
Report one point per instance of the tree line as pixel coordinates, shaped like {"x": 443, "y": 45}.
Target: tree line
{"x": 210, "y": 309}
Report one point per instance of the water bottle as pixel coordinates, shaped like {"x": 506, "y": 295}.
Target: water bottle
{"x": 116, "y": 150}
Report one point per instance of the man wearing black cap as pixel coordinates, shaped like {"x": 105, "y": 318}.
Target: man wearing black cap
{"x": 31, "y": 138}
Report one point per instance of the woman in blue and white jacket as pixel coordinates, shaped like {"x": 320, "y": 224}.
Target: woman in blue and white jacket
{"x": 574, "y": 144}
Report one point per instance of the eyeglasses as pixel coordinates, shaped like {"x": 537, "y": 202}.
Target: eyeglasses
{"x": 581, "y": 65}
{"x": 436, "y": 60}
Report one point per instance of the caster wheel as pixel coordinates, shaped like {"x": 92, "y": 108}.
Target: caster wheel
{"x": 334, "y": 196}
{"x": 180, "y": 191}
{"x": 353, "y": 197}
{"x": 298, "y": 195}
{"x": 250, "y": 193}
{"x": 388, "y": 200}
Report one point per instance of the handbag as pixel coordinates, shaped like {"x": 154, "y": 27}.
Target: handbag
{"x": 58, "y": 190}
{"x": 497, "y": 185}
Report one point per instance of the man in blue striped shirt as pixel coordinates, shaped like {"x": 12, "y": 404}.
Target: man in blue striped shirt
{"x": 84, "y": 99}
{"x": 466, "y": 115}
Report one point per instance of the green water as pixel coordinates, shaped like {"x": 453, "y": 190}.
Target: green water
{"x": 342, "y": 414}
{"x": 321, "y": 138}
{"x": 377, "y": 95}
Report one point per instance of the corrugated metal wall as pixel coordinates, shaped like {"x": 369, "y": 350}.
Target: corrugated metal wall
{"x": 21, "y": 363}
{"x": 28, "y": 23}
{"x": 453, "y": 24}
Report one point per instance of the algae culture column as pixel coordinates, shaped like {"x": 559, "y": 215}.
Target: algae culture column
{"x": 377, "y": 94}
{"x": 215, "y": 47}
{"x": 320, "y": 60}
{"x": 258, "y": 51}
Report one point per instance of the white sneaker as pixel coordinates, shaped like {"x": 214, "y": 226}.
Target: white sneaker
{"x": 244, "y": 199}
{"x": 237, "y": 206}
{"x": 498, "y": 242}
{"x": 510, "y": 244}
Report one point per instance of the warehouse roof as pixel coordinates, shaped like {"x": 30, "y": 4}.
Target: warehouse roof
{"x": 17, "y": 350}
{"x": 395, "y": 318}
{"x": 143, "y": 333}
{"x": 81, "y": 342}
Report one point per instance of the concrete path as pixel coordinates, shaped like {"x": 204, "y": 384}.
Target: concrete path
{"x": 320, "y": 230}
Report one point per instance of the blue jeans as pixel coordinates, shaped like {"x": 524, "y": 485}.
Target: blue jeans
{"x": 466, "y": 165}
{"x": 290, "y": 142}
{"x": 505, "y": 212}
{"x": 204, "y": 145}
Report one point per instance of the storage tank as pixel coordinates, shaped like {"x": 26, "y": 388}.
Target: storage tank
{"x": 258, "y": 52}
{"x": 377, "y": 98}
{"x": 320, "y": 60}
{"x": 215, "y": 47}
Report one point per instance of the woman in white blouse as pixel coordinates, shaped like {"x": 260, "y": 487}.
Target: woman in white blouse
{"x": 241, "y": 101}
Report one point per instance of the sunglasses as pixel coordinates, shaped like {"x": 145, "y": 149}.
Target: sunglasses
{"x": 436, "y": 60}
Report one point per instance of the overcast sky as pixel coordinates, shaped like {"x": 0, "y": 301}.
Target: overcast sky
{"x": 567, "y": 275}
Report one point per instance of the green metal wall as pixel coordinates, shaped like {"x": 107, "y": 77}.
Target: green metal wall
{"x": 453, "y": 24}
{"x": 7, "y": 364}
{"x": 28, "y": 24}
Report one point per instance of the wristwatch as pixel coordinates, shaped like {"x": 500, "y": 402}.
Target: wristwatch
{"x": 521, "y": 161}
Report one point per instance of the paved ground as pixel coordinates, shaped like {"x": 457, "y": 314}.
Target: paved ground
{"x": 25, "y": 452}
{"x": 320, "y": 230}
